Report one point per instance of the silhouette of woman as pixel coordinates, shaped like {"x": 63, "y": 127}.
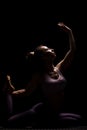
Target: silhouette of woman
{"x": 46, "y": 88}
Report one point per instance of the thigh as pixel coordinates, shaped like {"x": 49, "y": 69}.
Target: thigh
{"x": 29, "y": 117}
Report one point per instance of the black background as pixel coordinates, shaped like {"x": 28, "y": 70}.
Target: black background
{"x": 26, "y": 25}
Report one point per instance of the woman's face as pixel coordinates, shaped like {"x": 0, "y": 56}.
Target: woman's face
{"x": 48, "y": 53}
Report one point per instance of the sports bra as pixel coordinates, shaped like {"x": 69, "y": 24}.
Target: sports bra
{"x": 53, "y": 90}
{"x": 51, "y": 85}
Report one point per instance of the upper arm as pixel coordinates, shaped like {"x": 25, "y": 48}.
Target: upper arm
{"x": 64, "y": 64}
{"x": 33, "y": 84}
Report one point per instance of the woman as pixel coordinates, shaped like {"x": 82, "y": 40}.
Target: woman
{"x": 47, "y": 84}
{"x": 50, "y": 77}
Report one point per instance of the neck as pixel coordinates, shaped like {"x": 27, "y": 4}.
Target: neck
{"x": 49, "y": 68}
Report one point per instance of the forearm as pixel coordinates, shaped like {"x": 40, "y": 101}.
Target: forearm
{"x": 71, "y": 36}
{"x": 72, "y": 41}
{"x": 20, "y": 92}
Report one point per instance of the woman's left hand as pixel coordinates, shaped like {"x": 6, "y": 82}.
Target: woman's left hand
{"x": 64, "y": 27}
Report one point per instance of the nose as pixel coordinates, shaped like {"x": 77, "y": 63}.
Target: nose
{"x": 52, "y": 50}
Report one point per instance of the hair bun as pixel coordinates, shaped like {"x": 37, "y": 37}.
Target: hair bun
{"x": 30, "y": 54}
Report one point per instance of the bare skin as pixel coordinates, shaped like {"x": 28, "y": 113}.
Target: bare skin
{"x": 67, "y": 60}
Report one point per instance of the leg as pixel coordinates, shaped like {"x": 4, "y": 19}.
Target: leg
{"x": 9, "y": 103}
{"x": 27, "y": 118}
{"x": 6, "y": 108}
{"x": 69, "y": 119}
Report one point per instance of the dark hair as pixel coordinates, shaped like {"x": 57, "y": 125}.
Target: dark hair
{"x": 35, "y": 59}
{"x": 38, "y": 58}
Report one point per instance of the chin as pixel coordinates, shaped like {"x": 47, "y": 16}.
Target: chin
{"x": 53, "y": 56}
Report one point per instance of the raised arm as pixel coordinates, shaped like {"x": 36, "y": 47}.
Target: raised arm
{"x": 66, "y": 61}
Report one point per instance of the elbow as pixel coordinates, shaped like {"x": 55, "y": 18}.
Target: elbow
{"x": 73, "y": 49}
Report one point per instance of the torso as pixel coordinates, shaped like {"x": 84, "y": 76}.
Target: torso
{"x": 53, "y": 88}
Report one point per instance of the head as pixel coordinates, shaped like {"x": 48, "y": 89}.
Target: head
{"x": 41, "y": 58}
{"x": 45, "y": 53}
{"x": 44, "y": 57}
